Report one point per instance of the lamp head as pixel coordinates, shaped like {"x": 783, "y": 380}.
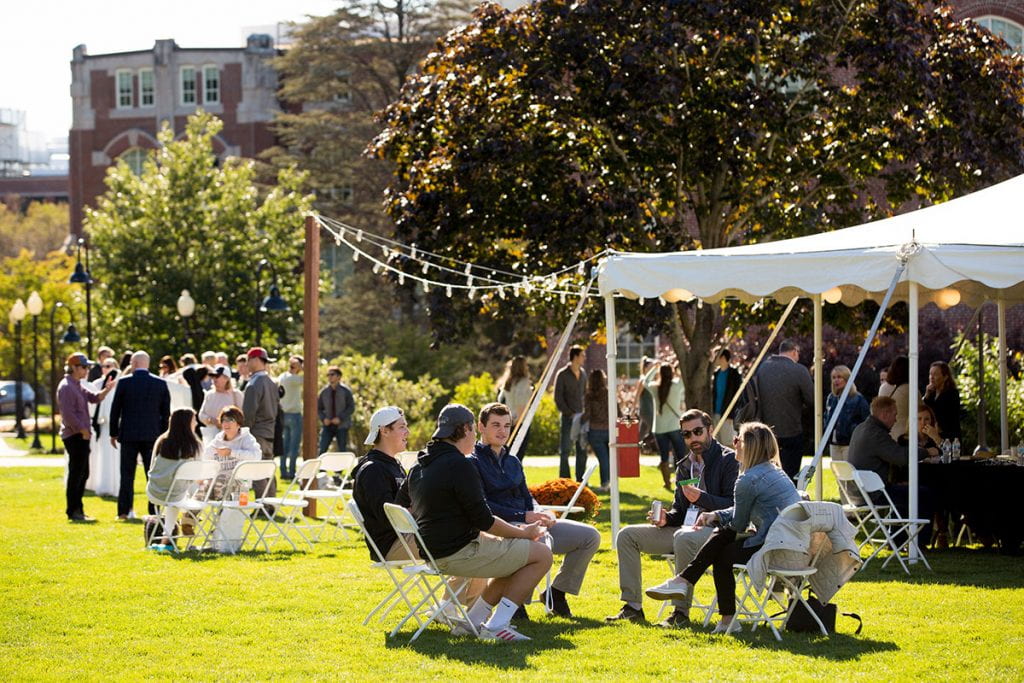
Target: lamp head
{"x": 71, "y": 336}
{"x": 35, "y": 304}
{"x": 18, "y": 311}
{"x": 186, "y": 304}
{"x": 274, "y": 302}
{"x": 80, "y": 276}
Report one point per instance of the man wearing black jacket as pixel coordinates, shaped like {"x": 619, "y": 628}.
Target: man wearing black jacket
{"x": 715, "y": 467}
{"x": 461, "y": 533}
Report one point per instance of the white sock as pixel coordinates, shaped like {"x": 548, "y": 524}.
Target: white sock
{"x": 502, "y": 615}
{"x": 480, "y": 611}
{"x": 635, "y": 605}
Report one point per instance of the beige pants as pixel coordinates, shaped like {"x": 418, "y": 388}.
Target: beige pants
{"x": 683, "y": 542}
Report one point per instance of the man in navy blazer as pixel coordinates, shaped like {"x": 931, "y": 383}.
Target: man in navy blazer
{"x": 138, "y": 415}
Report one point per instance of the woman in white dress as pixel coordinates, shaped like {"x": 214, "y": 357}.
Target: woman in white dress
{"x": 104, "y": 457}
{"x": 222, "y": 395}
{"x": 515, "y": 390}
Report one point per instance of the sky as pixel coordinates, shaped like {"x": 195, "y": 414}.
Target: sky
{"x": 37, "y": 37}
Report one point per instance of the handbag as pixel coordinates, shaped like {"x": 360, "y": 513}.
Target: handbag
{"x": 801, "y": 621}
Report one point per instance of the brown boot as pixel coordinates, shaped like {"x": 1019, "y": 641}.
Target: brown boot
{"x": 666, "y": 474}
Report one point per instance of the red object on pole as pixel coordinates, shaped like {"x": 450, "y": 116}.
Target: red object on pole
{"x": 627, "y": 438}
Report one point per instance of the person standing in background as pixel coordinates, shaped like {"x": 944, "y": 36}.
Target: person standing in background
{"x": 896, "y": 386}
{"x": 515, "y": 390}
{"x": 855, "y": 410}
{"x": 260, "y": 405}
{"x": 291, "y": 411}
{"x": 786, "y": 394}
{"x": 725, "y": 382}
{"x": 943, "y": 398}
{"x": 74, "y": 398}
{"x": 570, "y": 383}
{"x": 595, "y": 414}
{"x": 334, "y": 407}
{"x": 668, "y": 394}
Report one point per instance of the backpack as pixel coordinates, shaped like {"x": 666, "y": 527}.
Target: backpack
{"x": 750, "y": 411}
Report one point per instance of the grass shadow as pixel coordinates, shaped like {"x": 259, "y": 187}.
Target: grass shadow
{"x": 836, "y": 647}
{"x": 975, "y": 567}
{"x": 547, "y": 635}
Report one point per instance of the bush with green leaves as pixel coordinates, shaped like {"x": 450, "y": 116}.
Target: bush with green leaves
{"x": 965, "y": 369}
{"x": 480, "y": 390}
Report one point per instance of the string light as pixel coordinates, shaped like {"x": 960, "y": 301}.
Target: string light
{"x": 448, "y": 291}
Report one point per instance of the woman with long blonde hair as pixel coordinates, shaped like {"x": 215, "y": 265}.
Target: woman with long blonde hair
{"x": 515, "y": 390}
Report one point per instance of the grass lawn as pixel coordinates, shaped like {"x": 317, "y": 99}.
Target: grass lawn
{"x": 88, "y": 602}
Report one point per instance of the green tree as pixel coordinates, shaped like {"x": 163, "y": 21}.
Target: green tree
{"x": 42, "y": 228}
{"x": 191, "y": 222}
{"x": 532, "y": 138}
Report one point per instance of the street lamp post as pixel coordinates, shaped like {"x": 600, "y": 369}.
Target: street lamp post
{"x": 70, "y": 336}
{"x": 186, "y": 307}
{"x": 16, "y": 315}
{"x": 35, "y": 307}
{"x": 83, "y": 276}
{"x": 273, "y": 301}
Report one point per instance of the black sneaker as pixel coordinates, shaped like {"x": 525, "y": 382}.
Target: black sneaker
{"x": 521, "y": 614}
{"x": 677, "y": 619}
{"x": 628, "y": 613}
{"x": 559, "y": 605}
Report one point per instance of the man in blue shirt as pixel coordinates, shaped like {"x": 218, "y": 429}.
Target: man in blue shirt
{"x": 509, "y": 498}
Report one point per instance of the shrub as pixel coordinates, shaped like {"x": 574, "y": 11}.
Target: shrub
{"x": 560, "y": 492}
{"x": 480, "y": 390}
{"x": 965, "y": 371}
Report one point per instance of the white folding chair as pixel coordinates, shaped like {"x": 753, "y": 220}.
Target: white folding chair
{"x": 890, "y": 524}
{"x": 255, "y": 509}
{"x": 292, "y": 502}
{"x": 186, "y": 495}
{"x": 753, "y": 607}
{"x": 403, "y": 581}
{"x": 408, "y": 459}
{"x": 562, "y": 512}
{"x": 430, "y": 608}
{"x": 332, "y": 495}
{"x": 707, "y": 608}
{"x": 859, "y": 513}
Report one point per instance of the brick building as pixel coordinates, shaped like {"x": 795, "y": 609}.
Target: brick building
{"x": 121, "y": 100}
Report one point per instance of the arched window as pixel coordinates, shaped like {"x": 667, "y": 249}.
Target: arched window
{"x": 134, "y": 157}
{"x": 1010, "y": 31}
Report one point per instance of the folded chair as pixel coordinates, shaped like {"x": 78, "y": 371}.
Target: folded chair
{"x": 707, "y": 608}
{"x": 258, "y": 518}
{"x": 186, "y": 495}
{"x": 331, "y": 497}
{"x": 431, "y": 606}
{"x": 860, "y": 513}
{"x": 291, "y": 504}
{"x": 562, "y": 512}
{"x": 403, "y": 581}
{"x": 899, "y": 533}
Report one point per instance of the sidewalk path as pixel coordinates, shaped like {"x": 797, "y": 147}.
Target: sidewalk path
{"x": 10, "y": 457}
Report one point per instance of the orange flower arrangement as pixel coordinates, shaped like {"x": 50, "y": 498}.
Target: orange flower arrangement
{"x": 560, "y": 492}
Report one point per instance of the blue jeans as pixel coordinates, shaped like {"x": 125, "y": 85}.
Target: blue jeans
{"x": 292, "y": 436}
{"x": 328, "y": 433}
{"x": 598, "y": 439}
{"x": 671, "y": 441}
{"x": 565, "y": 445}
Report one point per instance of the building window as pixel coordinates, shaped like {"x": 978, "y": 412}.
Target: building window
{"x": 146, "y": 94}
{"x": 631, "y": 350}
{"x": 343, "y": 194}
{"x": 1011, "y": 32}
{"x": 188, "y": 85}
{"x": 124, "y": 89}
{"x": 135, "y": 158}
{"x": 211, "y": 85}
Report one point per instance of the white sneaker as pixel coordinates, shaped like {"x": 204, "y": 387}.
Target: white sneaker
{"x": 507, "y": 634}
{"x": 732, "y": 627}
{"x": 669, "y": 590}
{"x": 461, "y": 627}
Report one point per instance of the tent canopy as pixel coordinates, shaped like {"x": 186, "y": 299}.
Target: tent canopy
{"x": 969, "y": 249}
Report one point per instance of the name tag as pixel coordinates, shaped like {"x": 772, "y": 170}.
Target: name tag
{"x": 691, "y": 516}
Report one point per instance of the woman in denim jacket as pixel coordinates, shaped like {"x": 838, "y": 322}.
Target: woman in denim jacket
{"x": 762, "y": 491}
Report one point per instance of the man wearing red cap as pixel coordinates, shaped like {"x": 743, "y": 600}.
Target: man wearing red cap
{"x": 260, "y": 403}
{"x": 73, "y": 398}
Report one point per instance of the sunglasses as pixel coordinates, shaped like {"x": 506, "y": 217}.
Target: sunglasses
{"x": 696, "y": 431}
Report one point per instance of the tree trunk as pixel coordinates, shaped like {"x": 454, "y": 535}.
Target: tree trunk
{"x": 692, "y": 338}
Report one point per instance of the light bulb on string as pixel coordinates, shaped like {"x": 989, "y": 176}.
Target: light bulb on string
{"x": 401, "y": 278}
{"x": 355, "y": 255}
{"x": 448, "y": 291}
{"x": 412, "y": 253}
{"x": 640, "y": 301}
{"x": 359, "y": 235}
{"x": 662, "y": 301}
{"x": 337, "y": 240}
{"x": 376, "y": 269}
{"x": 426, "y": 267}
{"x": 561, "y": 297}
{"x": 580, "y": 269}
{"x": 426, "y": 287}
{"x": 501, "y": 293}
{"x": 468, "y": 269}
{"x": 472, "y": 293}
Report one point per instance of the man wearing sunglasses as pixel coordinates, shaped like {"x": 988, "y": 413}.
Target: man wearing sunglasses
{"x": 705, "y": 480}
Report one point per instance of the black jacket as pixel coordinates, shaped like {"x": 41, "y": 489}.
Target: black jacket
{"x": 377, "y": 477}
{"x": 447, "y": 499}
{"x": 141, "y": 408}
{"x": 717, "y": 483}
{"x": 732, "y": 385}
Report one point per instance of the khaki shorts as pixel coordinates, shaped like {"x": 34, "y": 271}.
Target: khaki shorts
{"x": 487, "y": 557}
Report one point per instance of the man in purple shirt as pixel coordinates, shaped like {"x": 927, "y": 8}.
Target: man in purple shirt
{"x": 73, "y": 398}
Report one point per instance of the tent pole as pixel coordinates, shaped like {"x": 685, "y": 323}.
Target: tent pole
{"x": 818, "y": 382}
{"x": 613, "y": 404}
{"x": 1004, "y": 428}
{"x": 912, "y": 431}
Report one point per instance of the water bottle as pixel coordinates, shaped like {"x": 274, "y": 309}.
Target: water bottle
{"x": 947, "y": 450}
{"x": 956, "y": 449}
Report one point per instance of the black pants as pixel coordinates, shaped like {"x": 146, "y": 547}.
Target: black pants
{"x": 78, "y": 471}
{"x": 130, "y": 452}
{"x": 722, "y": 551}
{"x": 791, "y": 453}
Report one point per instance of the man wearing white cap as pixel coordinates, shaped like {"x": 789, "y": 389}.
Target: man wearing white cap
{"x": 464, "y": 536}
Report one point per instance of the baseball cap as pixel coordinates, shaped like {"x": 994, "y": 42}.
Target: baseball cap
{"x": 259, "y": 352}
{"x": 450, "y": 417}
{"x": 381, "y": 418}
{"x": 79, "y": 359}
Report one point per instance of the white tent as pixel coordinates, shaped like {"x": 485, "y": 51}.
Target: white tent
{"x": 969, "y": 249}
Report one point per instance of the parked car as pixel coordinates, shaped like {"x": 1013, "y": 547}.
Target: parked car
{"x": 8, "y": 400}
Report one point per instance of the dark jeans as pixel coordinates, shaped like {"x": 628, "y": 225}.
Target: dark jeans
{"x": 791, "y": 452}
{"x": 292, "y": 437}
{"x": 598, "y": 439}
{"x": 721, "y": 551}
{"x": 78, "y": 472}
{"x": 671, "y": 441}
{"x": 130, "y": 452}
{"x": 328, "y": 433}
{"x": 565, "y": 445}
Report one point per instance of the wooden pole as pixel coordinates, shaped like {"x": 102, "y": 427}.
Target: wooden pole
{"x": 311, "y": 346}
